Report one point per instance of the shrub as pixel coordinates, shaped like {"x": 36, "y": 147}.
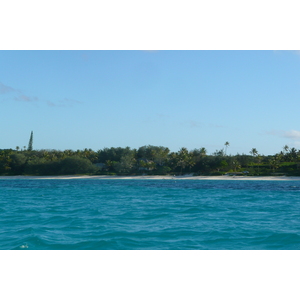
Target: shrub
{"x": 76, "y": 165}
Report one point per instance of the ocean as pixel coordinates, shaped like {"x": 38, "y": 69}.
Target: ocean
{"x": 105, "y": 214}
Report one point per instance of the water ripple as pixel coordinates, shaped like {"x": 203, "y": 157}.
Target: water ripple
{"x": 149, "y": 214}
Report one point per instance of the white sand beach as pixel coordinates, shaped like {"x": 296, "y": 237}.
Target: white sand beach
{"x": 184, "y": 177}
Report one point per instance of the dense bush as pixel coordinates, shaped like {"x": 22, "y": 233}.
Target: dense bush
{"x": 151, "y": 160}
{"x": 76, "y": 165}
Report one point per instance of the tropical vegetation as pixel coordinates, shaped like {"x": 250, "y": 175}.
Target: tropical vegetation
{"x": 150, "y": 160}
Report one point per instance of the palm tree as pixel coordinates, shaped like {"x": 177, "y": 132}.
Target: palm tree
{"x": 184, "y": 158}
{"x": 254, "y": 152}
{"x": 226, "y": 145}
{"x": 259, "y": 159}
{"x": 203, "y": 151}
{"x": 292, "y": 154}
{"x": 285, "y": 152}
{"x": 274, "y": 162}
{"x": 236, "y": 165}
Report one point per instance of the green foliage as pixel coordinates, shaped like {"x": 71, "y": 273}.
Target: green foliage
{"x": 152, "y": 160}
{"x": 18, "y": 161}
{"x": 159, "y": 155}
{"x": 125, "y": 164}
{"x": 5, "y": 161}
{"x": 223, "y": 164}
{"x": 76, "y": 165}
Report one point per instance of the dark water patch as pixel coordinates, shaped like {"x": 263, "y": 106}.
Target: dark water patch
{"x": 280, "y": 241}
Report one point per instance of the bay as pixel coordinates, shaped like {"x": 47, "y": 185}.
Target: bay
{"x": 103, "y": 214}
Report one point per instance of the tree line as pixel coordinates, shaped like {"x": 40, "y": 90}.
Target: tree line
{"x": 150, "y": 160}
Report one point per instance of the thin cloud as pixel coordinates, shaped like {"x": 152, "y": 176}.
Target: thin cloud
{"x": 25, "y": 98}
{"x": 50, "y": 103}
{"x": 216, "y": 126}
{"x": 290, "y": 134}
{"x": 17, "y": 95}
{"x": 195, "y": 124}
{"x": 71, "y": 101}
{"x": 191, "y": 124}
{"x": 63, "y": 103}
{"x": 4, "y": 89}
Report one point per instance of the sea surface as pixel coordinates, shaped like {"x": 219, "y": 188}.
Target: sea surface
{"x": 104, "y": 214}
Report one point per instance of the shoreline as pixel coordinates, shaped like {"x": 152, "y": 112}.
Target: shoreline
{"x": 158, "y": 177}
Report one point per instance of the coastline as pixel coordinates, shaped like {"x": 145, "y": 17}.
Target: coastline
{"x": 154, "y": 177}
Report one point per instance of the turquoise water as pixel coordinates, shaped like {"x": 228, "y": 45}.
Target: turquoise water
{"x": 149, "y": 214}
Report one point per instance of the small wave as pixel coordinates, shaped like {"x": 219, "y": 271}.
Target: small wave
{"x": 83, "y": 214}
{"x": 24, "y": 246}
{"x": 282, "y": 241}
{"x": 31, "y": 243}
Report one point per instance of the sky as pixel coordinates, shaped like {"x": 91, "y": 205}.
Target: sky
{"x": 193, "y": 99}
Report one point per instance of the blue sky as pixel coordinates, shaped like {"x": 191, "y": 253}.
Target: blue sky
{"x": 96, "y": 99}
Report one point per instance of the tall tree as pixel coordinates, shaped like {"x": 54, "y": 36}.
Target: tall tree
{"x": 184, "y": 158}
{"x": 274, "y": 162}
{"x": 236, "y": 165}
{"x": 292, "y": 155}
{"x": 30, "y": 142}
{"x": 254, "y": 152}
{"x": 286, "y": 148}
{"x": 226, "y": 146}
